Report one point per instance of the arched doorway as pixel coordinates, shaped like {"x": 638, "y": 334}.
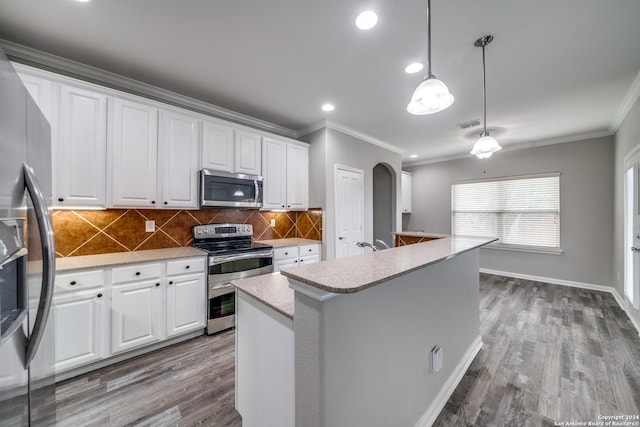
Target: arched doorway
{"x": 384, "y": 203}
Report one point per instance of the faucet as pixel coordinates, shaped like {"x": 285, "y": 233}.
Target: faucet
{"x": 382, "y": 243}
{"x": 366, "y": 245}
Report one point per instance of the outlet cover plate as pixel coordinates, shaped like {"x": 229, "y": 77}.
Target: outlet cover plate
{"x": 150, "y": 226}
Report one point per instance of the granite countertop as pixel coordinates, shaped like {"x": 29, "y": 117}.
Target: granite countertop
{"x": 120, "y": 258}
{"x": 293, "y": 241}
{"x": 357, "y": 273}
{"x": 270, "y": 289}
{"x": 421, "y": 234}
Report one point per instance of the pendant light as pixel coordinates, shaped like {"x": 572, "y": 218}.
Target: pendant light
{"x": 486, "y": 145}
{"x": 431, "y": 95}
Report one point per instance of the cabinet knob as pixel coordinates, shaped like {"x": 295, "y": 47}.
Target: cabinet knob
{"x": 310, "y": 250}
{"x": 137, "y": 273}
{"x": 166, "y": 203}
{"x": 296, "y": 261}
{"x": 99, "y": 295}
{"x": 186, "y": 266}
{"x": 73, "y": 282}
{"x": 286, "y": 253}
{"x": 60, "y": 199}
{"x": 283, "y": 206}
{"x": 171, "y": 283}
{"x": 157, "y": 284}
{"x": 153, "y": 202}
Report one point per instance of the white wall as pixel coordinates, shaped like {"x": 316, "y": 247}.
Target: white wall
{"x": 586, "y": 206}
{"x": 626, "y": 139}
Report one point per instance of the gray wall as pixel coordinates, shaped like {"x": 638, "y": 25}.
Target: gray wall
{"x": 329, "y": 147}
{"x": 626, "y": 139}
{"x": 383, "y": 196}
{"x": 586, "y": 206}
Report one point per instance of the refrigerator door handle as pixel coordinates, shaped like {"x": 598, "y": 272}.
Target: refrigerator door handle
{"x": 48, "y": 261}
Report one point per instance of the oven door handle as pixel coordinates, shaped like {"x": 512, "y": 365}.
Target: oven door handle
{"x": 229, "y": 258}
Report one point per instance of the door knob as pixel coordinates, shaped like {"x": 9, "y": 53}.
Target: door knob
{"x": 341, "y": 238}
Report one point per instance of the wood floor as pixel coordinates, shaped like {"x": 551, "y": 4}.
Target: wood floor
{"x": 551, "y": 354}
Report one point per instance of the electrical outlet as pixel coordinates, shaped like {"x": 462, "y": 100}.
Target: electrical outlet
{"x": 150, "y": 226}
{"x": 273, "y": 222}
{"x": 436, "y": 358}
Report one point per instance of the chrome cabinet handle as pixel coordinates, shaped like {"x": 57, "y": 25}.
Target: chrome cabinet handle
{"x": 48, "y": 261}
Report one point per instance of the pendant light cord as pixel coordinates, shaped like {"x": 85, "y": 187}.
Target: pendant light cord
{"x": 429, "y": 75}
{"x": 484, "y": 90}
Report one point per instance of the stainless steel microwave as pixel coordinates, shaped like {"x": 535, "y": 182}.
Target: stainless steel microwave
{"x": 227, "y": 190}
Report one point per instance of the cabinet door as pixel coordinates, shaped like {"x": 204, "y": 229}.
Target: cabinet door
{"x": 80, "y": 328}
{"x": 185, "y": 304}
{"x": 248, "y": 153}
{"x": 133, "y": 165}
{"x": 135, "y": 311}
{"x": 274, "y": 185}
{"x": 284, "y": 263}
{"x": 41, "y": 91}
{"x": 217, "y": 146}
{"x": 179, "y": 146}
{"x": 297, "y": 177}
{"x": 311, "y": 259}
{"x": 81, "y": 151}
{"x": 406, "y": 182}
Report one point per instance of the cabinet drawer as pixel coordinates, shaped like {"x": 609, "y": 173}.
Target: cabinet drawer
{"x": 286, "y": 252}
{"x": 136, "y": 272}
{"x": 185, "y": 266}
{"x": 313, "y": 249}
{"x": 80, "y": 280}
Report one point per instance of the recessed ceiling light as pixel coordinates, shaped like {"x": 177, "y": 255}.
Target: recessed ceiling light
{"x": 328, "y": 107}
{"x": 82, "y": 1}
{"x": 413, "y": 68}
{"x": 413, "y": 156}
{"x": 367, "y": 20}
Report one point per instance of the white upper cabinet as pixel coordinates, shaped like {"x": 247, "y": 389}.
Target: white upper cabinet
{"x": 178, "y": 155}
{"x": 297, "y": 176}
{"x": 274, "y": 185}
{"x": 217, "y": 146}
{"x": 80, "y": 150}
{"x": 41, "y": 91}
{"x": 406, "y": 182}
{"x": 133, "y": 160}
{"x": 248, "y": 153}
{"x": 285, "y": 168}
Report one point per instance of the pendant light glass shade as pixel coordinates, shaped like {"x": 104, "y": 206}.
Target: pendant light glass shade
{"x": 485, "y": 146}
{"x": 430, "y": 97}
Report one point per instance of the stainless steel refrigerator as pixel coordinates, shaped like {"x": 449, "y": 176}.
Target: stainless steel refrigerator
{"x": 27, "y": 258}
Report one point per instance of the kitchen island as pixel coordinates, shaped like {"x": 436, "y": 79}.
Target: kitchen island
{"x": 349, "y": 342}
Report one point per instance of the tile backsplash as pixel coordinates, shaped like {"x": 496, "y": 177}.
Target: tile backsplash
{"x": 79, "y": 232}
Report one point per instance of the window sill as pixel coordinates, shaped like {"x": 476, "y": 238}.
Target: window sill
{"x": 525, "y": 249}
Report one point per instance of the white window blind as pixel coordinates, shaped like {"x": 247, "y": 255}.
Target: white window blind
{"x": 523, "y": 212}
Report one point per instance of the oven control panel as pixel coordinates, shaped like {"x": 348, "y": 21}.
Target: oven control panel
{"x": 222, "y": 230}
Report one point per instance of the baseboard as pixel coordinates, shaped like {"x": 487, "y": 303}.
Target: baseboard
{"x": 432, "y": 412}
{"x": 562, "y": 282}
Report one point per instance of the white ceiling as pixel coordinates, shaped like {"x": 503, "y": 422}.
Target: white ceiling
{"x": 556, "y": 70}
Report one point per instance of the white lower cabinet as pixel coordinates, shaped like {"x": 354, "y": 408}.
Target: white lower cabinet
{"x": 293, "y": 256}
{"x": 135, "y": 311}
{"x": 81, "y": 328}
{"x": 185, "y": 307}
{"x": 141, "y": 304}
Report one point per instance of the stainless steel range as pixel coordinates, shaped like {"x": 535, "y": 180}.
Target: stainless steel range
{"x": 232, "y": 255}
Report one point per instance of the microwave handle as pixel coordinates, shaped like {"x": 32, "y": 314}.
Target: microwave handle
{"x": 48, "y": 262}
{"x": 257, "y": 187}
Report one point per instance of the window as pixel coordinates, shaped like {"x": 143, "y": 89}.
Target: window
{"x": 522, "y": 211}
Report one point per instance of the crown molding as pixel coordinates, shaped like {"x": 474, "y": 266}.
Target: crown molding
{"x": 59, "y": 65}
{"x": 518, "y": 146}
{"x": 328, "y": 124}
{"x": 627, "y": 103}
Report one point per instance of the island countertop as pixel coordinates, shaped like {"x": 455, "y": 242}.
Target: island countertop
{"x": 355, "y": 274}
{"x": 270, "y": 289}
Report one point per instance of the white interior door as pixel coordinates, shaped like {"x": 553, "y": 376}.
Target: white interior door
{"x": 632, "y": 229}
{"x": 349, "y": 210}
